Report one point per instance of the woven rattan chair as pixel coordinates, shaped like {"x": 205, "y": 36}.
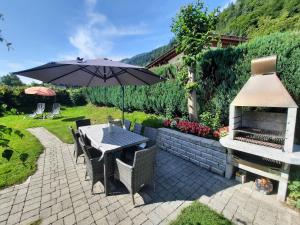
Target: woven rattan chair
{"x": 77, "y": 148}
{"x": 94, "y": 163}
{"x": 127, "y": 124}
{"x": 117, "y": 122}
{"x": 84, "y": 122}
{"x": 140, "y": 173}
{"x": 150, "y": 133}
{"x": 137, "y": 128}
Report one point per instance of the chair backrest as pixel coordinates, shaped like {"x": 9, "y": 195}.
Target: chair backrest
{"x": 84, "y": 147}
{"x": 127, "y": 124}
{"x": 117, "y": 122}
{"x": 40, "y": 108}
{"x": 55, "y": 108}
{"x": 143, "y": 166}
{"x": 75, "y": 136}
{"x": 150, "y": 133}
{"x": 137, "y": 128}
{"x": 84, "y": 122}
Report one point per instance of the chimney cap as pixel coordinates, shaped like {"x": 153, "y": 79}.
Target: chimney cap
{"x": 264, "y": 65}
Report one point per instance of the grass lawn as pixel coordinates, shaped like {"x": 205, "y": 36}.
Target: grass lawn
{"x": 200, "y": 214}
{"x": 14, "y": 171}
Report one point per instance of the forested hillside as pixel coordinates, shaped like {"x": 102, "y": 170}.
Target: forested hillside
{"x": 145, "y": 58}
{"x": 249, "y": 18}
{"x": 256, "y": 17}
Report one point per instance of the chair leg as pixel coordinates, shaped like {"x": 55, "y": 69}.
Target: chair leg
{"x": 76, "y": 159}
{"x": 92, "y": 186}
{"x": 85, "y": 175}
{"x": 132, "y": 195}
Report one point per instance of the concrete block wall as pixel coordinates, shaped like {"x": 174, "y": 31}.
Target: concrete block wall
{"x": 207, "y": 153}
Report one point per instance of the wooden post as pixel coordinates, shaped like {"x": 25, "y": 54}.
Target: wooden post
{"x": 192, "y": 98}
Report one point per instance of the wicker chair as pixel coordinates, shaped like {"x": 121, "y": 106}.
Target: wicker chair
{"x": 77, "y": 148}
{"x": 81, "y": 123}
{"x": 127, "y": 124}
{"x": 150, "y": 133}
{"x": 94, "y": 163}
{"x": 140, "y": 173}
{"x": 137, "y": 128}
{"x": 117, "y": 122}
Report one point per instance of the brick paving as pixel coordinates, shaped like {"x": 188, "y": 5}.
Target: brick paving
{"x": 58, "y": 194}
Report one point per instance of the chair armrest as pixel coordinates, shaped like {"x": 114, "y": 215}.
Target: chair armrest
{"x": 124, "y": 173}
{"x": 123, "y": 166}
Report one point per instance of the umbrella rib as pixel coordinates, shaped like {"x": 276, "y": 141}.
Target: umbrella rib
{"x": 36, "y": 69}
{"x": 117, "y": 78}
{"x": 116, "y": 74}
{"x": 136, "y": 77}
{"x": 88, "y": 84}
{"x": 92, "y": 73}
{"x": 66, "y": 74}
{"x": 150, "y": 73}
{"x": 98, "y": 72}
{"x": 111, "y": 72}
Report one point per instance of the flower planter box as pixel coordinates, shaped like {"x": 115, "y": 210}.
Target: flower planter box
{"x": 203, "y": 152}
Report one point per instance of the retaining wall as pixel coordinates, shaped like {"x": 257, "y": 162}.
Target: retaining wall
{"x": 207, "y": 153}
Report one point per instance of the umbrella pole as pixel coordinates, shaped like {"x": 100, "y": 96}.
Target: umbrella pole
{"x": 123, "y": 103}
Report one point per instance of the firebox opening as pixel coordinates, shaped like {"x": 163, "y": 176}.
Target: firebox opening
{"x": 261, "y": 125}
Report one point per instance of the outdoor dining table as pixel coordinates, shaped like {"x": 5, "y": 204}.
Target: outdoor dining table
{"x": 108, "y": 141}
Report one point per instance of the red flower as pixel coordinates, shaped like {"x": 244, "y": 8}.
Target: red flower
{"x": 167, "y": 123}
{"x": 221, "y": 132}
{"x": 193, "y": 128}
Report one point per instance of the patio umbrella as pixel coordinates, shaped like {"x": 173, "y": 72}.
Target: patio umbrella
{"x": 42, "y": 91}
{"x": 92, "y": 73}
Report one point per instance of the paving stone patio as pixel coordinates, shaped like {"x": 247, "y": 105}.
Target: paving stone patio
{"x": 58, "y": 194}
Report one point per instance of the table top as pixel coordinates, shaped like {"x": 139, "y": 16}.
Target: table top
{"x": 106, "y": 141}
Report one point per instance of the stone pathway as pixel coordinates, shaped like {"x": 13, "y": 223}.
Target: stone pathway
{"x": 58, "y": 194}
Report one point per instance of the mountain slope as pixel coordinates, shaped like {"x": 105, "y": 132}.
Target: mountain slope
{"x": 145, "y": 58}
{"x": 256, "y": 17}
{"x": 249, "y": 18}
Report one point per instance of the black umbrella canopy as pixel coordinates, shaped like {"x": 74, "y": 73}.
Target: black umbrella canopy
{"x": 91, "y": 73}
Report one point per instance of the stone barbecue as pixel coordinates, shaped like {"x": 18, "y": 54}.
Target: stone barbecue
{"x": 262, "y": 121}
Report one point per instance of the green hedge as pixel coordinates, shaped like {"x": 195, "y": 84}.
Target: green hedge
{"x": 164, "y": 98}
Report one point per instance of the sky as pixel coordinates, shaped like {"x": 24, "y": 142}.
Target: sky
{"x": 44, "y": 31}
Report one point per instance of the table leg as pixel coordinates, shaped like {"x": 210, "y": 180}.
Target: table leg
{"x": 106, "y": 186}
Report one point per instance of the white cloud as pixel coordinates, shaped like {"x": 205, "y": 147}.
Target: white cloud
{"x": 227, "y": 4}
{"x": 95, "y": 38}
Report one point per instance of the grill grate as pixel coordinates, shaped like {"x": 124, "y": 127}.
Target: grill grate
{"x": 273, "y": 139}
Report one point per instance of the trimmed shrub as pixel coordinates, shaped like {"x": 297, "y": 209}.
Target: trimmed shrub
{"x": 166, "y": 98}
{"x": 77, "y": 96}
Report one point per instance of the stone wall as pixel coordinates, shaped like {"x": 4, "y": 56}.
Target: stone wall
{"x": 204, "y": 152}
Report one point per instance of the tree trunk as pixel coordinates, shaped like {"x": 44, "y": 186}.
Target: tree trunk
{"x": 192, "y": 98}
